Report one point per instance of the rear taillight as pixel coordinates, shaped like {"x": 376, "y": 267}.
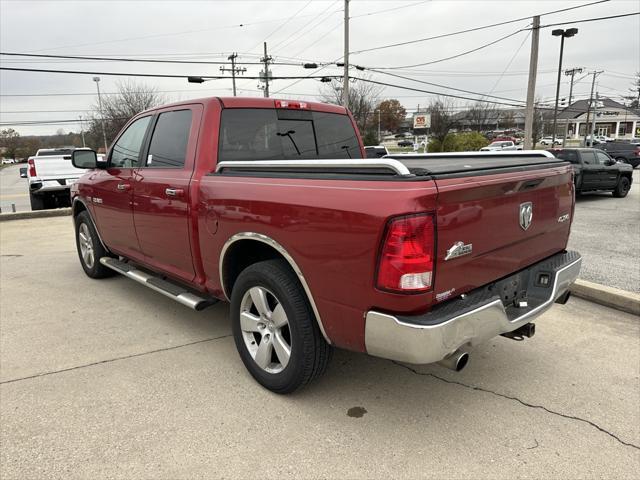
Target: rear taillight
{"x": 406, "y": 261}
{"x": 32, "y": 167}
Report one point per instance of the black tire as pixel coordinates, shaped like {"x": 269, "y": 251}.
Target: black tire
{"x": 309, "y": 352}
{"x": 37, "y": 202}
{"x": 622, "y": 189}
{"x": 93, "y": 269}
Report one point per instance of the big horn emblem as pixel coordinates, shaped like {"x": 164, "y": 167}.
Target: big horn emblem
{"x": 526, "y": 215}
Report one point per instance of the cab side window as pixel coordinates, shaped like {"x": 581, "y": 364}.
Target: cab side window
{"x": 603, "y": 158}
{"x": 168, "y": 146}
{"x": 589, "y": 158}
{"x": 125, "y": 153}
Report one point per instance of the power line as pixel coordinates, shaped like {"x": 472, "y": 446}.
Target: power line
{"x": 281, "y": 25}
{"x": 474, "y": 29}
{"x": 156, "y": 75}
{"x": 136, "y": 60}
{"x": 394, "y": 9}
{"x": 591, "y": 19}
{"x": 457, "y": 55}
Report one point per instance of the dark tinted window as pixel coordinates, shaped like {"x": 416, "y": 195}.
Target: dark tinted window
{"x": 168, "y": 146}
{"x": 589, "y": 157}
{"x": 270, "y": 134}
{"x": 125, "y": 153}
{"x": 603, "y": 158}
{"x": 51, "y": 153}
{"x": 375, "y": 152}
{"x": 568, "y": 155}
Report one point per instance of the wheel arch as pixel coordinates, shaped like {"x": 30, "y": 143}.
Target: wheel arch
{"x": 246, "y": 248}
{"x": 78, "y": 206}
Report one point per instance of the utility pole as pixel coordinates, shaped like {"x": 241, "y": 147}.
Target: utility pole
{"x": 571, "y": 72}
{"x": 529, "y": 141}
{"x": 593, "y": 122}
{"x": 345, "y": 79}
{"x": 104, "y": 136}
{"x": 586, "y": 126}
{"x": 82, "y": 131}
{"x": 266, "y": 59}
{"x": 234, "y": 70}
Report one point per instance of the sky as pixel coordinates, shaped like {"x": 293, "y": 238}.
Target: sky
{"x": 298, "y": 31}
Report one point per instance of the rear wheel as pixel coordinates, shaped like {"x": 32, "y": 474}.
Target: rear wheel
{"x": 274, "y": 328}
{"x": 90, "y": 249}
{"x": 622, "y": 188}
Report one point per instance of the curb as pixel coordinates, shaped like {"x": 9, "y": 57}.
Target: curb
{"x": 622, "y": 300}
{"x": 58, "y": 212}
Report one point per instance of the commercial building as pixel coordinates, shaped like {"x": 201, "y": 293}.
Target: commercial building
{"x": 612, "y": 119}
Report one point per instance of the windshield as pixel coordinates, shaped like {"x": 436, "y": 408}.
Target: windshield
{"x": 270, "y": 134}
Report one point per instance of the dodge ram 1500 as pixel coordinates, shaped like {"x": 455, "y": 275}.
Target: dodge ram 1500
{"x": 272, "y": 205}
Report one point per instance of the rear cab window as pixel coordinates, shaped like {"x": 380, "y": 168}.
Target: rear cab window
{"x": 279, "y": 134}
{"x": 570, "y": 156}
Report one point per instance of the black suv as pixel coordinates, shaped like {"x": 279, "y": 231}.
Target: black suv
{"x": 623, "y": 152}
{"x": 595, "y": 170}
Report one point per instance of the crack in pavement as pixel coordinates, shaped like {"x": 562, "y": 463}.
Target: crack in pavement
{"x": 522, "y": 402}
{"x": 133, "y": 355}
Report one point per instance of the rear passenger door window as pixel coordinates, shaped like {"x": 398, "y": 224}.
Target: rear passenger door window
{"x": 589, "y": 158}
{"x": 168, "y": 147}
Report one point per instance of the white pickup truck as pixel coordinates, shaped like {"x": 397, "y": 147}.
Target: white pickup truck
{"x": 50, "y": 174}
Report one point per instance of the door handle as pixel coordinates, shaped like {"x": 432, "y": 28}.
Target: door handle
{"x": 174, "y": 192}
{"x": 123, "y": 187}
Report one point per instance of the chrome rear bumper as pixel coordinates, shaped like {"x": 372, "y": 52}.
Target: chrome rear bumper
{"x": 466, "y": 322}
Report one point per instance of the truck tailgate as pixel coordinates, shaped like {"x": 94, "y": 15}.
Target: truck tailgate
{"x": 56, "y": 167}
{"x": 487, "y": 217}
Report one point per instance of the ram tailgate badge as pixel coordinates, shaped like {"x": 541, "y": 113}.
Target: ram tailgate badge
{"x": 458, "y": 249}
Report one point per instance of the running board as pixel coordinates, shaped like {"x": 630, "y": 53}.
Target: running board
{"x": 168, "y": 289}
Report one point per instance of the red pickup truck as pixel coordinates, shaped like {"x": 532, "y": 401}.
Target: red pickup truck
{"x": 272, "y": 205}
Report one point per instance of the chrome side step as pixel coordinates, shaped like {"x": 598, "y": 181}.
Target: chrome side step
{"x": 168, "y": 289}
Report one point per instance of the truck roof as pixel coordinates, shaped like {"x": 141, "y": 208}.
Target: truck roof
{"x": 256, "y": 102}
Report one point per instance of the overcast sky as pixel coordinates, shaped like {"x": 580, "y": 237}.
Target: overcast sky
{"x": 298, "y": 30}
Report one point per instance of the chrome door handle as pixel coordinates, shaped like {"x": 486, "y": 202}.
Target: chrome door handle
{"x": 123, "y": 186}
{"x": 174, "y": 192}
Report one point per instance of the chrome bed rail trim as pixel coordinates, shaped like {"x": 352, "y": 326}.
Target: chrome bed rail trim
{"x": 393, "y": 165}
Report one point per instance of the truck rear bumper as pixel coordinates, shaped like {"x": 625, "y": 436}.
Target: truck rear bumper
{"x": 473, "y": 318}
{"x": 42, "y": 186}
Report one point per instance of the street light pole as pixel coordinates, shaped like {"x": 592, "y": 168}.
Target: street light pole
{"x": 82, "y": 131}
{"x": 569, "y": 32}
{"x": 104, "y": 135}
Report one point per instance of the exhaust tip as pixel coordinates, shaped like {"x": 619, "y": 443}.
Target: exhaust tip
{"x": 462, "y": 361}
{"x": 456, "y": 361}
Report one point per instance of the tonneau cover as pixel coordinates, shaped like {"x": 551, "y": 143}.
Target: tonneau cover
{"x": 438, "y": 164}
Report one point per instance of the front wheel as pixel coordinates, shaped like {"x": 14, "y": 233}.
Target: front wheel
{"x": 90, "y": 249}
{"x": 274, "y": 328}
{"x": 623, "y": 187}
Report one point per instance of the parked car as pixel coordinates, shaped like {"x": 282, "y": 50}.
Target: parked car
{"x": 405, "y": 143}
{"x": 596, "y": 171}
{"x": 497, "y": 146}
{"x": 550, "y": 141}
{"x": 623, "y": 152}
{"x": 8, "y": 161}
{"x": 377, "y": 151}
{"x": 319, "y": 247}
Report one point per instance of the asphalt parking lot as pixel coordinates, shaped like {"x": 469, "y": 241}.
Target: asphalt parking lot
{"x": 606, "y": 231}
{"x": 107, "y": 379}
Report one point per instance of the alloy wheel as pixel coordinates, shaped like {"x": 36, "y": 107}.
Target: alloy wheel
{"x": 86, "y": 245}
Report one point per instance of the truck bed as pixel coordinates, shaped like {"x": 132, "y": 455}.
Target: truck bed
{"x": 441, "y": 165}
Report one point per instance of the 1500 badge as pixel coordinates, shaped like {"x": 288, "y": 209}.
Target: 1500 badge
{"x": 458, "y": 249}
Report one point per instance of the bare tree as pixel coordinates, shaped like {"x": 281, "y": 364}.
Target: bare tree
{"x": 363, "y": 98}
{"x": 443, "y": 120}
{"x": 131, "y": 99}
{"x": 481, "y": 115}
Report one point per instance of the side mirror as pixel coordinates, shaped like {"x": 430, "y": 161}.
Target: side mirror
{"x": 612, "y": 161}
{"x": 23, "y": 172}
{"x": 86, "y": 159}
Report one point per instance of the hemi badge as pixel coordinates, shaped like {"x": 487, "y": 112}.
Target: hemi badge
{"x": 563, "y": 218}
{"x": 458, "y": 249}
